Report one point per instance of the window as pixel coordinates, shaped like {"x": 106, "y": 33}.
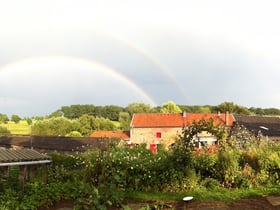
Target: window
{"x": 158, "y": 134}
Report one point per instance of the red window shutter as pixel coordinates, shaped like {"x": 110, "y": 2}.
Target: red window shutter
{"x": 158, "y": 134}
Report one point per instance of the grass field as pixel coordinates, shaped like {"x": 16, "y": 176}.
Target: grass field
{"x": 21, "y": 128}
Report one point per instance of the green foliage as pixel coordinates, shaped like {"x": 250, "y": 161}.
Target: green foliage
{"x": 187, "y": 139}
{"x": 74, "y": 134}
{"x": 204, "y": 163}
{"x": 232, "y": 108}
{"x": 54, "y": 126}
{"x": 28, "y": 120}
{"x": 227, "y": 168}
{"x": 242, "y": 138}
{"x": 170, "y": 107}
{"x": 21, "y": 128}
{"x": 62, "y": 126}
{"x": 4, "y": 130}
{"x": 15, "y": 118}
{"x": 101, "y": 123}
{"x": 76, "y": 111}
{"x": 124, "y": 119}
{"x": 99, "y": 179}
{"x": 4, "y": 118}
{"x": 138, "y": 108}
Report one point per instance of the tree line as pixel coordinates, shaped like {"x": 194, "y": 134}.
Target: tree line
{"x": 82, "y": 120}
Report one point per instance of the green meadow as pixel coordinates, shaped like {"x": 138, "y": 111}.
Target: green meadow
{"x": 21, "y": 128}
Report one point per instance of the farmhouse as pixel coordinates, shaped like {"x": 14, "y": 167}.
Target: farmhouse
{"x": 160, "y": 128}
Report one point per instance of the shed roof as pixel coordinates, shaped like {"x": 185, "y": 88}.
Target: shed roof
{"x": 22, "y": 157}
{"x": 111, "y": 134}
{"x": 269, "y": 126}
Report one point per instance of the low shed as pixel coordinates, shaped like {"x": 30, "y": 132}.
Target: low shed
{"x": 22, "y": 158}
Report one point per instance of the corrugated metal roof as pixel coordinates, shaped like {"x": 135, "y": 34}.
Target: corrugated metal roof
{"x": 269, "y": 126}
{"x": 24, "y": 155}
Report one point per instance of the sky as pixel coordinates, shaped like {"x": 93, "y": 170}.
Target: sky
{"x": 115, "y": 52}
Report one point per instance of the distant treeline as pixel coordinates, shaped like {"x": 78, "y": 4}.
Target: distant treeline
{"x": 114, "y": 112}
{"x": 81, "y": 120}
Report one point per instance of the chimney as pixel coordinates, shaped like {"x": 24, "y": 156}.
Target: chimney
{"x": 184, "y": 114}
{"x": 227, "y": 118}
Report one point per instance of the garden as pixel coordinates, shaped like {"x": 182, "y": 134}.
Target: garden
{"x": 248, "y": 166}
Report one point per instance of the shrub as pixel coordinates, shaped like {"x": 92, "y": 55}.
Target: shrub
{"x": 204, "y": 163}
{"x": 4, "y": 130}
{"x": 227, "y": 168}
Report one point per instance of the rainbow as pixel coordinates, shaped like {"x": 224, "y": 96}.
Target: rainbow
{"x": 164, "y": 69}
{"x": 82, "y": 62}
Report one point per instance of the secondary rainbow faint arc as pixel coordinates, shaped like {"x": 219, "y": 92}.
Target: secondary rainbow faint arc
{"x": 91, "y": 63}
{"x": 154, "y": 60}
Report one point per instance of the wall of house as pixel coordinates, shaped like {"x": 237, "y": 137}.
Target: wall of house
{"x": 151, "y": 135}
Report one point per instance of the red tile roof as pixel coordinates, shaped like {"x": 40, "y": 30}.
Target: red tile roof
{"x": 110, "y": 134}
{"x": 176, "y": 120}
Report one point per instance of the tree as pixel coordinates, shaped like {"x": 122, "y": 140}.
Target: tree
{"x": 76, "y": 111}
{"x": 28, "y": 120}
{"x": 232, "y": 108}
{"x": 59, "y": 126}
{"x": 57, "y": 113}
{"x": 101, "y": 123}
{"x": 74, "y": 134}
{"x": 170, "y": 107}
{"x": 111, "y": 112}
{"x": 138, "y": 108}
{"x": 226, "y": 107}
{"x": 187, "y": 140}
{"x": 15, "y": 118}
{"x": 124, "y": 119}
{"x": 204, "y": 109}
{"x": 87, "y": 124}
{"x": 4, "y": 130}
{"x": 4, "y": 118}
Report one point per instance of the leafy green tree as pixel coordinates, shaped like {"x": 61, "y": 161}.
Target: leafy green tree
{"x": 170, "y": 107}
{"x": 186, "y": 139}
{"x": 124, "y": 119}
{"x": 232, "y": 108}
{"x": 57, "y": 113}
{"x": 271, "y": 111}
{"x": 28, "y": 120}
{"x": 15, "y": 118}
{"x": 59, "y": 126}
{"x": 4, "y": 130}
{"x": 87, "y": 124}
{"x": 110, "y": 112}
{"x": 226, "y": 107}
{"x": 101, "y": 123}
{"x": 4, "y": 118}
{"x": 138, "y": 108}
{"x": 76, "y": 111}
{"x": 204, "y": 109}
{"x": 74, "y": 134}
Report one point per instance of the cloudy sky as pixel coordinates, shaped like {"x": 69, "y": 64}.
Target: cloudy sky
{"x": 62, "y": 52}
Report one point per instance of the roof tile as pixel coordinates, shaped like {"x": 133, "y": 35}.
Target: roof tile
{"x": 176, "y": 120}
